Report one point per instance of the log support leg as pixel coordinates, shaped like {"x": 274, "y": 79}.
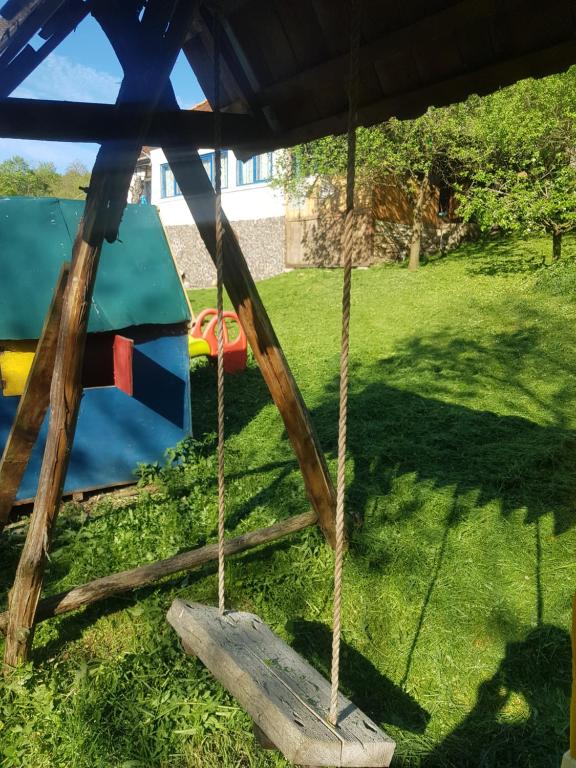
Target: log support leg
{"x": 199, "y": 195}
{"x": 32, "y": 406}
{"x": 157, "y": 39}
{"x": 125, "y": 581}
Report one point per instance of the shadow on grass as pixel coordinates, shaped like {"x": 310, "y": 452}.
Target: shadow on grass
{"x": 360, "y": 680}
{"x": 514, "y": 721}
{"x": 491, "y": 256}
{"x": 393, "y": 431}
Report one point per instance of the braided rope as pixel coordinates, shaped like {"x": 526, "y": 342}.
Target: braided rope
{"x": 344, "y": 356}
{"x": 220, "y": 310}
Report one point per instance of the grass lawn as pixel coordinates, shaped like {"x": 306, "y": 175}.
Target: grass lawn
{"x": 459, "y": 576}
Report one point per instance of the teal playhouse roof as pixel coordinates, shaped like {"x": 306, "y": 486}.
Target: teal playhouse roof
{"x": 137, "y": 282}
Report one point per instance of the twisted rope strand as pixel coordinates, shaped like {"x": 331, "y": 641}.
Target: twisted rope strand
{"x": 344, "y": 357}
{"x": 220, "y": 313}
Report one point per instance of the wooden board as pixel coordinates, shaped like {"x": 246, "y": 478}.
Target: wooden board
{"x": 286, "y": 697}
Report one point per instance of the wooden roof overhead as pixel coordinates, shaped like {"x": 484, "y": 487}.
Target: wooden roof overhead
{"x": 285, "y": 63}
{"x": 287, "y": 60}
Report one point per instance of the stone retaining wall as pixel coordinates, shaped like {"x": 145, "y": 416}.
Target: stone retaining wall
{"x": 391, "y": 241}
{"x": 317, "y": 241}
{"x": 262, "y": 241}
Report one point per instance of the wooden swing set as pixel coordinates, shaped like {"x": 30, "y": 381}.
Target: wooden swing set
{"x": 253, "y": 98}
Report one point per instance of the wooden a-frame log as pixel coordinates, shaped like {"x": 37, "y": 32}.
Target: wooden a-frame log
{"x": 199, "y": 195}
{"x": 32, "y": 406}
{"x": 157, "y": 39}
{"x": 17, "y": 30}
{"x": 29, "y": 58}
{"x": 117, "y": 583}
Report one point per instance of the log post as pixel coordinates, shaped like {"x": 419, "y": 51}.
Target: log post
{"x": 65, "y": 397}
{"x": 32, "y": 406}
{"x": 199, "y": 195}
{"x": 125, "y": 581}
{"x": 154, "y": 46}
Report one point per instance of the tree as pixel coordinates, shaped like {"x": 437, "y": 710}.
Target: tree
{"x": 415, "y": 155}
{"x": 73, "y": 182}
{"x": 522, "y": 170}
{"x": 17, "y": 177}
{"x": 424, "y": 153}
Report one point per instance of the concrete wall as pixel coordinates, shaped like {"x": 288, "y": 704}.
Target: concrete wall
{"x": 392, "y": 240}
{"x": 314, "y": 226}
{"x": 317, "y": 242}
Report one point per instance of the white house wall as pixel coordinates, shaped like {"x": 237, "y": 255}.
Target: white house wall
{"x": 240, "y": 202}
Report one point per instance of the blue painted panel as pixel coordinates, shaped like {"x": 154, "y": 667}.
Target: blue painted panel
{"x": 116, "y": 432}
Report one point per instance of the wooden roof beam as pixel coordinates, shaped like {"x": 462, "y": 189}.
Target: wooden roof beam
{"x": 239, "y": 81}
{"x": 65, "y": 20}
{"x": 18, "y": 29}
{"x": 480, "y": 81}
{"x": 413, "y": 103}
{"x": 76, "y": 121}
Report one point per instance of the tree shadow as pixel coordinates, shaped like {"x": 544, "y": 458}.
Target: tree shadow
{"x": 240, "y": 408}
{"x": 515, "y": 719}
{"x": 497, "y": 255}
{"x": 501, "y": 458}
{"x": 360, "y": 680}
{"x": 506, "y": 459}
{"x": 451, "y": 520}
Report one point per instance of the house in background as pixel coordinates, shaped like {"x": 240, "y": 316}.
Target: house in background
{"x": 136, "y": 398}
{"x": 255, "y": 209}
{"x": 383, "y": 229}
{"x": 275, "y": 232}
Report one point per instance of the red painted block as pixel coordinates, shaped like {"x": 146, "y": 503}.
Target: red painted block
{"x": 123, "y": 355}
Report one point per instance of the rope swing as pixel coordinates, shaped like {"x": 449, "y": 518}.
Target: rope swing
{"x": 293, "y": 707}
{"x": 219, "y": 233}
{"x": 348, "y": 252}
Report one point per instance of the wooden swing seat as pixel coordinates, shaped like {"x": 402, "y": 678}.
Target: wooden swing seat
{"x": 286, "y": 697}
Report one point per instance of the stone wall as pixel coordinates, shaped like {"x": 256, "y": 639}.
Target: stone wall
{"x": 262, "y": 241}
{"x": 317, "y": 241}
{"x": 392, "y": 241}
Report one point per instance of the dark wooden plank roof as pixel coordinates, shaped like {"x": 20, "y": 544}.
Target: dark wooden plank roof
{"x": 287, "y": 60}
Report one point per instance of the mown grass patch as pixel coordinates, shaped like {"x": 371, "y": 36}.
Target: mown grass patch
{"x": 461, "y": 501}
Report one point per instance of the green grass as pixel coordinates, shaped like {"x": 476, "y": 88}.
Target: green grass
{"x": 461, "y": 498}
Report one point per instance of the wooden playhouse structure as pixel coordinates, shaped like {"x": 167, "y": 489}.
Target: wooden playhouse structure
{"x": 280, "y": 78}
{"x": 136, "y": 382}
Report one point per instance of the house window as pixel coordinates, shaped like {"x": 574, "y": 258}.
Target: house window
{"x": 169, "y": 186}
{"x": 209, "y": 164}
{"x": 257, "y": 169}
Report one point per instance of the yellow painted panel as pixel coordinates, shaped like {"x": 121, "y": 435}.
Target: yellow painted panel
{"x": 197, "y": 347}
{"x": 15, "y": 362}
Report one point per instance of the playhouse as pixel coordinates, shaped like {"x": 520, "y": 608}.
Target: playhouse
{"x": 136, "y": 384}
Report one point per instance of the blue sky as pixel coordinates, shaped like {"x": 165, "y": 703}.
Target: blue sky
{"x": 83, "y": 68}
